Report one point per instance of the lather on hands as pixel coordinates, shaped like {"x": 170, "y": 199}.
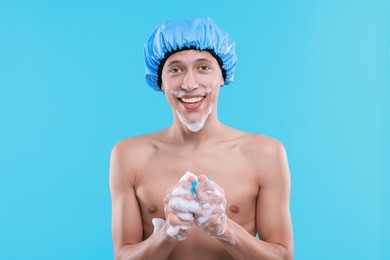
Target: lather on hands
{"x": 193, "y": 200}
{"x": 180, "y": 207}
{"x": 211, "y": 216}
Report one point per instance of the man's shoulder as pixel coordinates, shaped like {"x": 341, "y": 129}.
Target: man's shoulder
{"x": 257, "y": 144}
{"x": 268, "y": 155}
{"x": 265, "y": 142}
{"x": 134, "y": 141}
{"x": 135, "y": 147}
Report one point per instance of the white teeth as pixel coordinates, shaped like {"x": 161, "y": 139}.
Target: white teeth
{"x": 192, "y": 100}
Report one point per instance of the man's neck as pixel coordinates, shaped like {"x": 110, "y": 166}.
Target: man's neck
{"x": 181, "y": 134}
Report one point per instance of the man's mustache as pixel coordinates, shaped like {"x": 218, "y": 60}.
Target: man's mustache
{"x": 196, "y": 92}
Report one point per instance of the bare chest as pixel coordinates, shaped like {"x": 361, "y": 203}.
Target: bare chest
{"x": 229, "y": 169}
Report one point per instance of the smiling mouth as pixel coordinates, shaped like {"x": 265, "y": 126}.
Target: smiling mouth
{"x": 191, "y": 100}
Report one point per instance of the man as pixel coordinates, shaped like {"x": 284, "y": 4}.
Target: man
{"x": 236, "y": 185}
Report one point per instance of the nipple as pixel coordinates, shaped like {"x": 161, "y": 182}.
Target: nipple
{"x": 153, "y": 209}
{"x": 235, "y": 209}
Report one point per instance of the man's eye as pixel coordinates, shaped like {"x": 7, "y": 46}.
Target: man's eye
{"x": 174, "y": 70}
{"x": 204, "y": 68}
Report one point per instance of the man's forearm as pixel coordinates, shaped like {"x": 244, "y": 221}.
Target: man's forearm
{"x": 157, "y": 246}
{"x": 242, "y": 245}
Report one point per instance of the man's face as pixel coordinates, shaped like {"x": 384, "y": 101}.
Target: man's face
{"x": 191, "y": 80}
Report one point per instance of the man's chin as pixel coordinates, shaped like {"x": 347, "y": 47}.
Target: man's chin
{"x": 194, "y": 126}
{"x": 193, "y": 123}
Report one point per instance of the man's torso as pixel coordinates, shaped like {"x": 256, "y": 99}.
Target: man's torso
{"x": 232, "y": 162}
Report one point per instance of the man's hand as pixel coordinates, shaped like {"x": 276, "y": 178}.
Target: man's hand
{"x": 211, "y": 215}
{"x": 180, "y": 207}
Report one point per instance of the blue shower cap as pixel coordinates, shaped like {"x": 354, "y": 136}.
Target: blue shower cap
{"x": 200, "y": 33}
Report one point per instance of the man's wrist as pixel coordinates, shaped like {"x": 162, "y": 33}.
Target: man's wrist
{"x": 160, "y": 231}
{"x": 227, "y": 235}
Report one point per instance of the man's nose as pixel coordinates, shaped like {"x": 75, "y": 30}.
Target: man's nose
{"x": 190, "y": 81}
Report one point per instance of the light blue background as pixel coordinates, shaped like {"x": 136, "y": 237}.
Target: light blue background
{"x": 313, "y": 74}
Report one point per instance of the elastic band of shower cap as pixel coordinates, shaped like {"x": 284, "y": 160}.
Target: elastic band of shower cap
{"x": 200, "y": 33}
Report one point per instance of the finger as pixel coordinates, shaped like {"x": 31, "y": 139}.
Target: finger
{"x": 215, "y": 226}
{"x": 169, "y": 191}
{"x": 210, "y": 215}
{"x": 181, "y": 204}
{"x": 186, "y": 195}
{"x": 174, "y": 220}
{"x": 191, "y": 178}
{"x": 180, "y": 232}
{"x": 187, "y": 176}
{"x": 185, "y": 216}
{"x": 206, "y": 183}
{"x": 158, "y": 223}
{"x": 180, "y": 190}
{"x": 204, "y": 187}
{"x": 177, "y": 228}
{"x": 212, "y": 197}
{"x": 166, "y": 199}
{"x": 203, "y": 178}
{"x": 216, "y": 230}
{"x": 184, "y": 231}
{"x": 202, "y": 220}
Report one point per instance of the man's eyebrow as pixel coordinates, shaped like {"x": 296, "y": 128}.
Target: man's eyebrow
{"x": 174, "y": 62}
{"x": 204, "y": 60}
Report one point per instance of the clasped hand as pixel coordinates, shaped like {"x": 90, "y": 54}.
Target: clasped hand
{"x": 195, "y": 200}
{"x": 211, "y": 216}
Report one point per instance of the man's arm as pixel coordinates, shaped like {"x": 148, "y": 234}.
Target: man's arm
{"x": 273, "y": 219}
{"x": 126, "y": 223}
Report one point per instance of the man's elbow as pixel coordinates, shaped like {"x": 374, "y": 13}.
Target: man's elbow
{"x": 287, "y": 253}
{"x": 120, "y": 253}
{"x": 117, "y": 254}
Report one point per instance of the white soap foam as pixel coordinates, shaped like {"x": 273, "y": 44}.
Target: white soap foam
{"x": 179, "y": 191}
{"x": 182, "y": 93}
{"x": 230, "y": 241}
{"x": 181, "y": 238}
{"x": 203, "y": 219}
{"x": 186, "y": 176}
{"x": 195, "y": 125}
{"x": 173, "y": 231}
{"x": 185, "y": 216}
{"x": 217, "y": 192}
{"x": 184, "y": 205}
{"x": 158, "y": 223}
{"x": 205, "y": 216}
{"x": 206, "y": 205}
{"x": 222, "y": 218}
{"x": 185, "y": 228}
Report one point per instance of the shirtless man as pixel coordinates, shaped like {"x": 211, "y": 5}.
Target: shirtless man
{"x": 239, "y": 184}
